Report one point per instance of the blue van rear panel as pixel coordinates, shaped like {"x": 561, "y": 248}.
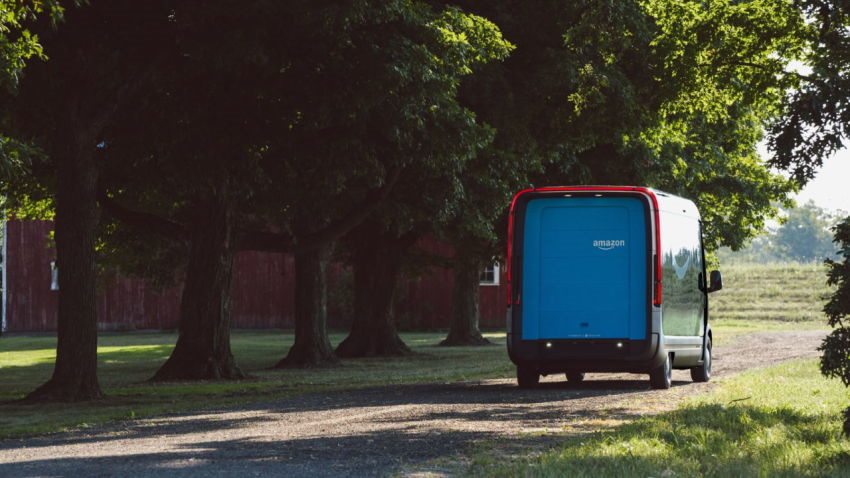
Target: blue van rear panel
{"x": 584, "y": 269}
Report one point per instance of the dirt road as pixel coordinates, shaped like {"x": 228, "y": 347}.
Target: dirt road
{"x": 373, "y": 432}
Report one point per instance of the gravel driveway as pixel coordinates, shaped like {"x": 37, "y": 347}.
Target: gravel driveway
{"x": 373, "y": 432}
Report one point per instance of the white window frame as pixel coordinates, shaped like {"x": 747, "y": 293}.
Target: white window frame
{"x": 496, "y": 275}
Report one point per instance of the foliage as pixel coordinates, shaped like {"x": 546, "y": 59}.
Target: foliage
{"x": 17, "y": 42}
{"x": 835, "y": 361}
{"x": 722, "y": 75}
{"x": 769, "y": 432}
{"x": 18, "y": 45}
{"x": 667, "y": 93}
{"x": 330, "y": 103}
{"x": 811, "y": 126}
{"x": 802, "y": 236}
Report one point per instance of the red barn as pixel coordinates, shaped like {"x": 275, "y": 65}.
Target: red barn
{"x": 263, "y": 286}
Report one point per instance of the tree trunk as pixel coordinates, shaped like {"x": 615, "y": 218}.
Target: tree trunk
{"x": 203, "y": 346}
{"x": 312, "y": 348}
{"x": 465, "y": 311}
{"x": 376, "y": 264}
{"x": 75, "y": 372}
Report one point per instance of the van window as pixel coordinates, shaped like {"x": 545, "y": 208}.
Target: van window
{"x": 682, "y": 309}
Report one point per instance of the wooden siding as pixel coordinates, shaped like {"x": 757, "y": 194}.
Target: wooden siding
{"x": 263, "y": 288}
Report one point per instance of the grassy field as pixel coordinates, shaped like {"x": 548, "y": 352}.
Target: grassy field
{"x": 787, "y": 292}
{"x": 755, "y": 298}
{"x": 126, "y": 361}
{"x": 780, "y": 421}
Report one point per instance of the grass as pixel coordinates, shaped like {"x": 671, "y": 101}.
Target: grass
{"x": 787, "y": 292}
{"x": 755, "y": 298}
{"x": 780, "y": 421}
{"x": 126, "y": 361}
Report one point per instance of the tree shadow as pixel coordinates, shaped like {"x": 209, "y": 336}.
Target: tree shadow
{"x": 490, "y": 401}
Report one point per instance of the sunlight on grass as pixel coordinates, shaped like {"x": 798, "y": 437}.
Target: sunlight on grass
{"x": 780, "y": 421}
{"x": 126, "y": 361}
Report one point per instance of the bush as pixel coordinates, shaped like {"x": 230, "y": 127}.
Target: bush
{"x": 835, "y": 361}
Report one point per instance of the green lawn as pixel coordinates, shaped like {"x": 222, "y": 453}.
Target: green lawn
{"x": 127, "y": 360}
{"x": 780, "y": 421}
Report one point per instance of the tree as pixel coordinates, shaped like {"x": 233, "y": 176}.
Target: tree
{"x": 804, "y": 236}
{"x": 466, "y": 314}
{"x": 671, "y": 94}
{"x": 835, "y": 361}
{"x": 376, "y": 257}
{"x": 330, "y": 108}
{"x": 810, "y": 129}
{"x": 727, "y": 62}
{"x": 62, "y": 107}
{"x": 811, "y": 126}
{"x": 570, "y": 85}
{"x": 208, "y": 153}
{"x": 446, "y": 138}
{"x": 18, "y": 45}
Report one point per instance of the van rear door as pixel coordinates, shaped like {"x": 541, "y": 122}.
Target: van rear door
{"x": 584, "y": 268}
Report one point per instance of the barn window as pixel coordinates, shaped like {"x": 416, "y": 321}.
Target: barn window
{"x": 489, "y": 275}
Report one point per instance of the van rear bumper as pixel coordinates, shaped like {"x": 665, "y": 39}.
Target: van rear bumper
{"x": 587, "y": 355}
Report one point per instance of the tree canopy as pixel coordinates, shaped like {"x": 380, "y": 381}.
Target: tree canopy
{"x": 18, "y": 45}
{"x": 207, "y": 128}
{"x": 814, "y": 115}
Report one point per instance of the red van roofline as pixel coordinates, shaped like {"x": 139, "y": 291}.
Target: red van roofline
{"x": 649, "y": 193}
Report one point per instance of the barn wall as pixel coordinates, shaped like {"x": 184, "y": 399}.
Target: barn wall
{"x": 263, "y": 289}
{"x": 30, "y": 304}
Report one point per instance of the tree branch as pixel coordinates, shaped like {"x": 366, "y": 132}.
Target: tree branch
{"x": 142, "y": 220}
{"x": 749, "y": 64}
{"x": 275, "y": 242}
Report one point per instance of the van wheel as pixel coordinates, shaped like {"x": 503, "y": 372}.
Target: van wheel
{"x": 527, "y": 377}
{"x": 661, "y": 377}
{"x": 702, "y": 373}
{"x": 575, "y": 377}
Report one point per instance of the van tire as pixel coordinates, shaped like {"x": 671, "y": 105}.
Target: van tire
{"x": 661, "y": 377}
{"x": 527, "y": 377}
{"x": 702, "y": 373}
{"x": 575, "y": 377}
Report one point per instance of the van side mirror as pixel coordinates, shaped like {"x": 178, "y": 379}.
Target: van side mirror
{"x": 715, "y": 282}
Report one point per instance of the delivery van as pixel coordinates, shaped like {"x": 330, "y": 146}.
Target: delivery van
{"x": 607, "y": 279}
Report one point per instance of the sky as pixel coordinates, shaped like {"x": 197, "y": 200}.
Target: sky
{"x": 831, "y": 187}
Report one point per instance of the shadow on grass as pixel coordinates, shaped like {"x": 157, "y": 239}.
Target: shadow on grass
{"x": 310, "y": 434}
{"x": 376, "y": 453}
{"x": 705, "y": 440}
{"x": 494, "y": 402}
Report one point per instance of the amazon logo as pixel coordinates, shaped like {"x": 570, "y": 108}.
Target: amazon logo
{"x": 608, "y": 244}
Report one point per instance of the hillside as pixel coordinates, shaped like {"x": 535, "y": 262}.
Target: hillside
{"x": 789, "y": 292}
